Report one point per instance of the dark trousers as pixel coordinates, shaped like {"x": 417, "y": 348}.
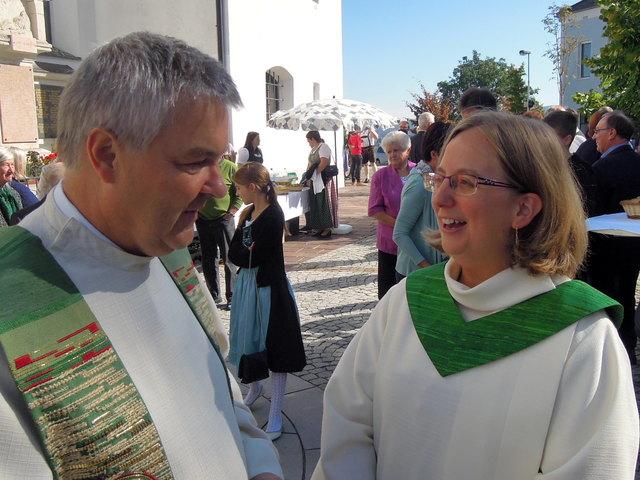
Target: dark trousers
{"x": 215, "y": 236}
{"x": 386, "y": 272}
{"x": 613, "y": 267}
{"x": 356, "y": 165}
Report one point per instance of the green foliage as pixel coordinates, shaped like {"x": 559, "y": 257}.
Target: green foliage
{"x": 505, "y": 80}
{"x": 590, "y": 101}
{"x": 617, "y": 64}
{"x": 34, "y": 164}
{"x": 560, "y": 22}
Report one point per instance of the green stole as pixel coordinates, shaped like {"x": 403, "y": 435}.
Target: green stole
{"x": 92, "y": 421}
{"x": 454, "y": 345}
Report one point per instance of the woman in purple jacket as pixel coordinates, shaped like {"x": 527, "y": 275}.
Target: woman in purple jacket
{"x": 384, "y": 204}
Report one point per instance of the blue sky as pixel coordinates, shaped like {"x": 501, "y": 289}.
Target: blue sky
{"x": 389, "y": 48}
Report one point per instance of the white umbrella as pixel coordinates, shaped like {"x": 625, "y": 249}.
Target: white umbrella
{"x": 332, "y": 114}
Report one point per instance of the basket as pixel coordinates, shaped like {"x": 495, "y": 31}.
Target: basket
{"x": 632, "y": 207}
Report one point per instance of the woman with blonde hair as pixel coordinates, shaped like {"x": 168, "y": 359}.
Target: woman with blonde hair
{"x": 495, "y": 365}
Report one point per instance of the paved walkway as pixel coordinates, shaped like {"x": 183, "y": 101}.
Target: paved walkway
{"x": 335, "y": 285}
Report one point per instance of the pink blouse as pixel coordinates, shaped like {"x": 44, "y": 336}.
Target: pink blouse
{"x": 385, "y": 194}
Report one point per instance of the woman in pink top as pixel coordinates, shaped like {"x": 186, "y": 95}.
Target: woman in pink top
{"x": 384, "y": 204}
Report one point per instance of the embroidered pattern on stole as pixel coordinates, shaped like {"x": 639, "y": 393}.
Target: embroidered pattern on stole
{"x": 454, "y": 345}
{"x": 92, "y": 421}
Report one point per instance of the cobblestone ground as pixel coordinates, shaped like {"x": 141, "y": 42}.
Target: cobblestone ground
{"x": 336, "y": 293}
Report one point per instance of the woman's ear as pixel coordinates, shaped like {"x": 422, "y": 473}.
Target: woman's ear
{"x": 529, "y": 205}
{"x": 433, "y": 161}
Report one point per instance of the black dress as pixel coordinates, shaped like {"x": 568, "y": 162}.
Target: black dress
{"x": 285, "y": 350}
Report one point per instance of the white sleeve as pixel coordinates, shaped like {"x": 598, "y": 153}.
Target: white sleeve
{"x": 325, "y": 151}
{"x": 347, "y": 444}
{"x": 593, "y": 432}
{"x": 260, "y": 454}
{"x": 242, "y": 156}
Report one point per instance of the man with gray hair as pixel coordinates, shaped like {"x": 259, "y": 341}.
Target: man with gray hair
{"x": 425, "y": 120}
{"x": 113, "y": 345}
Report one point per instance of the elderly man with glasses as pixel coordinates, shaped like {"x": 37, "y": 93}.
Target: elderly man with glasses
{"x": 615, "y": 261}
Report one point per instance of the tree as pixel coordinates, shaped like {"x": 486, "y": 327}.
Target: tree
{"x": 503, "y": 79}
{"x": 590, "y": 101}
{"x": 617, "y": 64}
{"x": 560, "y": 22}
{"x": 512, "y": 92}
{"x": 442, "y": 108}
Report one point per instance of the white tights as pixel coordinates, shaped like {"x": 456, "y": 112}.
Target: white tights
{"x": 278, "y": 385}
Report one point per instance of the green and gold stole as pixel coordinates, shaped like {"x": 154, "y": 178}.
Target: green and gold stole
{"x": 92, "y": 421}
{"x": 454, "y": 345}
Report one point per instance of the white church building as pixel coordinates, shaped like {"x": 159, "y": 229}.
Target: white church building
{"x": 279, "y": 52}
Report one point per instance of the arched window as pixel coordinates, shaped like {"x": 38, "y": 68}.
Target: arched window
{"x": 278, "y": 90}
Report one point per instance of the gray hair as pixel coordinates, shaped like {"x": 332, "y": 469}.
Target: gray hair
{"x": 20, "y": 161}
{"x": 425, "y": 119}
{"x": 5, "y": 154}
{"x": 397, "y": 137}
{"x": 132, "y": 86}
{"x": 19, "y": 158}
{"x": 50, "y": 175}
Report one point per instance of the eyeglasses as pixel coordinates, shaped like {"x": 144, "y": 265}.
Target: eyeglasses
{"x": 462, "y": 184}
{"x": 597, "y": 130}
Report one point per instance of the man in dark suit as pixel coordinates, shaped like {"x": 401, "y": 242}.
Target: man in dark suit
{"x": 615, "y": 261}
{"x": 564, "y": 123}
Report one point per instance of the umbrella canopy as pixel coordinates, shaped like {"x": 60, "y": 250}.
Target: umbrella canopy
{"x": 332, "y": 114}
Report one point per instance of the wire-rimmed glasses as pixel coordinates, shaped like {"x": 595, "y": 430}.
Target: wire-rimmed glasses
{"x": 462, "y": 183}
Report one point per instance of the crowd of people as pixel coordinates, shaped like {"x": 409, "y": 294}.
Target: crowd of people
{"x": 483, "y": 358}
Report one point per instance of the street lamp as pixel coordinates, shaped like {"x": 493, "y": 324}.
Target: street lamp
{"x": 528, "y": 54}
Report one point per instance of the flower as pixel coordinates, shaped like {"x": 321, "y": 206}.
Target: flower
{"x": 50, "y": 158}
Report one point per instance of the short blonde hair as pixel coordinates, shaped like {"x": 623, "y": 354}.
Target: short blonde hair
{"x": 555, "y": 242}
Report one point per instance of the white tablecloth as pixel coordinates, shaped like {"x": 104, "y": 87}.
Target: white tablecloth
{"x": 617, "y": 224}
{"x": 294, "y": 204}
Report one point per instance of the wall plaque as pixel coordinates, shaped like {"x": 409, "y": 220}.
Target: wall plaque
{"x": 17, "y": 105}
{"x": 47, "y": 99}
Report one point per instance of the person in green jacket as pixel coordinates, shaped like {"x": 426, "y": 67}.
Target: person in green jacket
{"x": 216, "y": 225}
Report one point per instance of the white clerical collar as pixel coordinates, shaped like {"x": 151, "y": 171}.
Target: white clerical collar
{"x": 69, "y": 210}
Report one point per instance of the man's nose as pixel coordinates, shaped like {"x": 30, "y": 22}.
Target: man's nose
{"x": 214, "y": 184}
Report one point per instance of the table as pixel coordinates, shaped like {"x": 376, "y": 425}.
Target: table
{"x": 617, "y": 224}
{"x": 294, "y": 204}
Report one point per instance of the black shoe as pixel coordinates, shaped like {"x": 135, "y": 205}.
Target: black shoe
{"x": 304, "y": 229}
{"x": 324, "y": 236}
{"x": 366, "y": 180}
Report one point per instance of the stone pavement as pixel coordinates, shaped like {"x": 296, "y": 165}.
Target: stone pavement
{"x": 335, "y": 285}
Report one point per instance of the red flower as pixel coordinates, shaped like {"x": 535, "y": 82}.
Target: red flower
{"x": 50, "y": 158}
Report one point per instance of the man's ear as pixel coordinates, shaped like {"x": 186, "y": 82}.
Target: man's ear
{"x": 566, "y": 140}
{"x": 102, "y": 147}
{"x": 529, "y": 205}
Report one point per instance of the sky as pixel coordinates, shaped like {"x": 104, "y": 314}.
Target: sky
{"x": 390, "y": 47}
